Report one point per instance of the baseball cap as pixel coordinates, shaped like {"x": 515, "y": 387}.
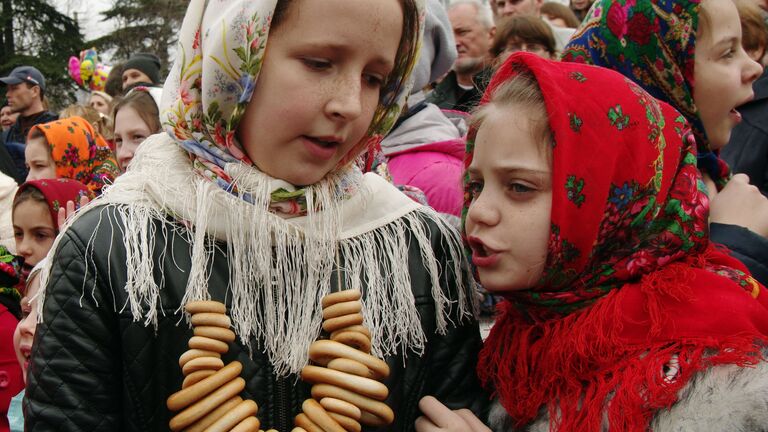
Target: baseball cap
{"x": 28, "y": 74}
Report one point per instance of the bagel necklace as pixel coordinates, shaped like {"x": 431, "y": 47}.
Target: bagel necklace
{"x": 347, "y": 392}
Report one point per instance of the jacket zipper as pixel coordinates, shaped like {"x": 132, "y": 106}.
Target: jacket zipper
{"x": 282, "y": 406}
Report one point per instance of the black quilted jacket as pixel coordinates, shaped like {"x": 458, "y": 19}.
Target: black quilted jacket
{"x": 95, "y": 369}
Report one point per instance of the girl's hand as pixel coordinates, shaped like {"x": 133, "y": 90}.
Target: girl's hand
{"x": 741, "y": 204}
{"x": 69, "y": 211}
{"x": 438, "y": 417}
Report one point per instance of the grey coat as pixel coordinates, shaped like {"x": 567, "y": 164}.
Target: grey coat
{"x": 723, "y": 398}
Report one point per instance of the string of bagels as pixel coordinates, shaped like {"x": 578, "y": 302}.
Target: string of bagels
{"x": 347, "y": 389}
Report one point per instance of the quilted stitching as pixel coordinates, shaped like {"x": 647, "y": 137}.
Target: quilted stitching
{"x": 95, "y": 369}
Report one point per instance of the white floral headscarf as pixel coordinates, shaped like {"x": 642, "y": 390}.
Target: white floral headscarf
{"x": 221, "y": 50}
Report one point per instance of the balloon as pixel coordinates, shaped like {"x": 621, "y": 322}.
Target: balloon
{"x": 99, "y": 80}
{"x": 74, "y": 70}
{"x": 87, "y": 71}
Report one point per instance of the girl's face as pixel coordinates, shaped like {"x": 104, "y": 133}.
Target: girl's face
{"x": 34, "y": 232}
{"x": 99, "y": 104}
{"x": 130, "y": 131}
{"x": 508, "y": 220}
{"x": 38, "y": 160}
{"x": 723, "y": 72}
{"x": 25, "y": 331}
{"x": 319, "y": 86}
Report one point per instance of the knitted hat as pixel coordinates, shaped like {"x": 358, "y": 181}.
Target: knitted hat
{"x": 147, "y": 63}
{"x": 438, "y": 50}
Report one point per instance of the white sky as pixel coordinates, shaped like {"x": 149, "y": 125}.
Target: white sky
{"x": 88, "y": 15}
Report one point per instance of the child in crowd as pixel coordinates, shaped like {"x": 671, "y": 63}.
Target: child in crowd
{"x": 69, "y": 148}
{"x": 101, "y": 102}
{"x": 619, "y": 313}
{"x": 677, "y": 51}
{"x": 747, "y": 150}
{"x": 135, "y": 118}
{"x": 523, "y": 33}
{"x": 22, "y": 341}
{"x": 11, "y": 381}
{"x": 254, "y": 198}
{"x": 38, "y": 208}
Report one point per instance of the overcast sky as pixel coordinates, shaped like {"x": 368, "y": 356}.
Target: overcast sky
{"x": 88, "y": 15}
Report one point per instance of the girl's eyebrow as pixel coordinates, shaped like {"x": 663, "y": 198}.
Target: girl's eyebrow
{"x": 521, "y": 170}
{"x": 341, "y": 48}
{"x": 728, "y": 41}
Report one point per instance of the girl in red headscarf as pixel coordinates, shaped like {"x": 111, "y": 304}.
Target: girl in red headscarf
{"x": 39, "y": 208}
{"x": 587, "y": 212}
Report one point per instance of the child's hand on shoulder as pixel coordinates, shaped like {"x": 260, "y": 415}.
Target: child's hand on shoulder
{"x": 741, "y": 204}
{"x": 438, "y": 417}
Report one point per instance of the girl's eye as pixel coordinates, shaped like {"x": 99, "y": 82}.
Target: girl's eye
{"x": 730, "y": 53}
{"x": 42, "y": 236}
{"x": 519, "y": 188}
{"x": 316, "y": 64}
{"x": 474, "y": 187}
{"x": 18, "y": 235}
{"x": 374, "y": 80}
{"x": 139, "y": 138}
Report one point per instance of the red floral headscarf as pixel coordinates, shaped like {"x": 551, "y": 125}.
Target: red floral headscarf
{"x": 631, "y": 280}
{"x": 57, "y": 192}
{"x": 79, "y": 152}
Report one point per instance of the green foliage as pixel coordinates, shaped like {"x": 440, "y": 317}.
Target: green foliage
{"x": 143, "y": 26}
{"x": 33, "y": 32}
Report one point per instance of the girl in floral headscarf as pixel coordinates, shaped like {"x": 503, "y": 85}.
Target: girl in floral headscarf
{"x": 254, "y": 198}
{"x": 69, "y": 148}
{"x": 619, "y": 313}
{"x": 689, "y": 54}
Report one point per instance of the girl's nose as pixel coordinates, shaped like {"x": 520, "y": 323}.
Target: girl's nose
{"x": 752, "y": 70}
{"x": 27, "y": 327}
{"x": 482, "y": 211}
{"x": 345, "y": 100}
{"x": 24, "y": 248}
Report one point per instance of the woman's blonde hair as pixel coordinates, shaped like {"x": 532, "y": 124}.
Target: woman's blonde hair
{"x": 101, "y": 123}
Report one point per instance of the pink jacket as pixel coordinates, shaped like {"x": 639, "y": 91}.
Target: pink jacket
{"x": 427, "y": 151}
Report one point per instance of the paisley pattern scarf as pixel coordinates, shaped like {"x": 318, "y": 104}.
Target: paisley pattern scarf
{"x": 653, "y": 42}
{"x": 631, "y": 279}
{"x": 79, "y": 152}
{"x": 221, "y": 50}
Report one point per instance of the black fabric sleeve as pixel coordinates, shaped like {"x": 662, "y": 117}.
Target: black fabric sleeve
{"x": 746, "y": 246}
{"x": 74, "y": 379}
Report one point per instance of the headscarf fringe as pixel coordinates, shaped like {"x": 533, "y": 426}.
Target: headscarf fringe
{"x": 594, "y": 379}
{"x": 278, "y": 270}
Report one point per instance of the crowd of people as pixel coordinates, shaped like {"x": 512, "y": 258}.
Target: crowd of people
{"x": 588, "y": 178}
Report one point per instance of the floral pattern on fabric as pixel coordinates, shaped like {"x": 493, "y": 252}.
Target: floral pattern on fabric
{"x": 630, "y": 278}
{"x": 221, "y": 49}
{"x": 10, "y": 269}
{"x": 58, "y": 192}
{"x": 652, "y": 42}
{"x": 79, "y": 152}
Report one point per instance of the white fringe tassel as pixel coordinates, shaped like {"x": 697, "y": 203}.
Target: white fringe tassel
{"x": 279, "y": 272}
